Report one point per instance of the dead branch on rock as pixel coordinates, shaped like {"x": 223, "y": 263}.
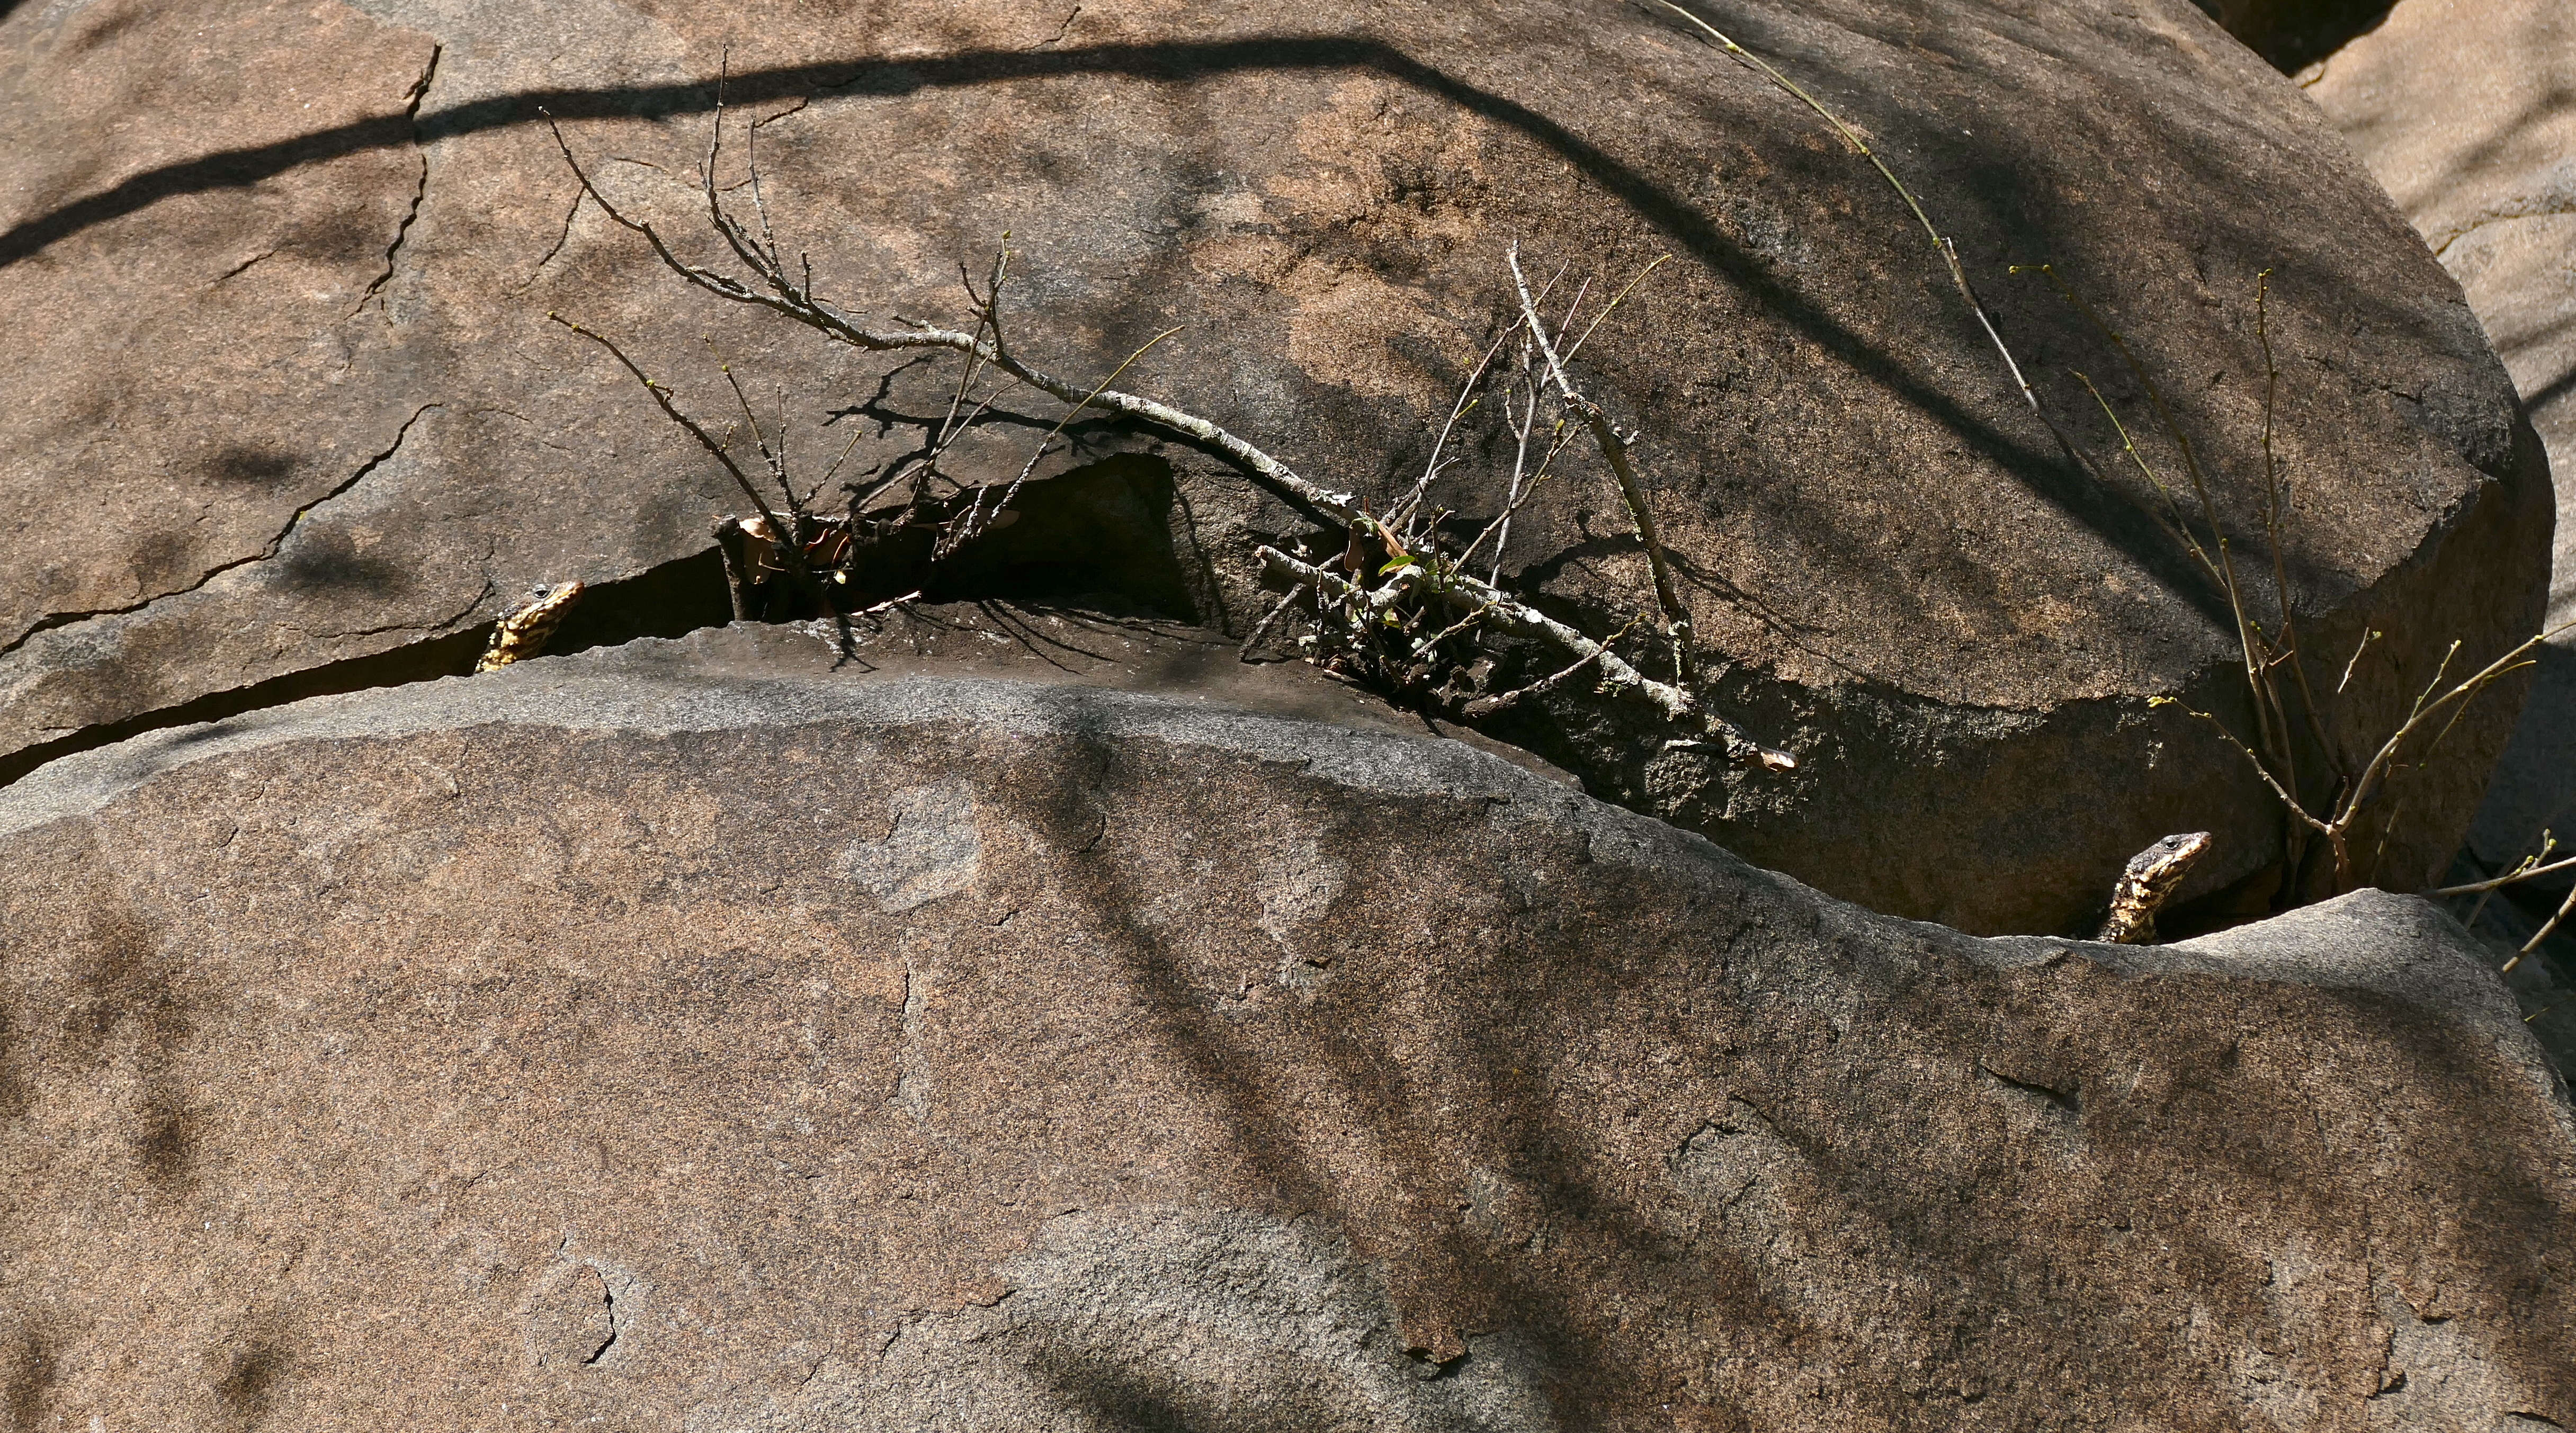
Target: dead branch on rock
{"x": 1374, "y": 601}
{"x": 1614, "y": 447}
{"x": 1388, "y": 603}
{"x": 2336, "y": 828}
{"x": 792, "y": 296}
{"x": 2273, "y": 660}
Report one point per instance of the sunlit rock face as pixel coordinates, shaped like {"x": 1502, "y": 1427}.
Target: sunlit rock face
{"x": 2461, "y": 107}
{"x": 696, "y": 1037}
{"x": 297, "y": 422}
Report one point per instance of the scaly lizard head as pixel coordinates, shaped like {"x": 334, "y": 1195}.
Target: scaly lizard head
{"x": 523, "y": 630}
{"x": 2155, "y": 873}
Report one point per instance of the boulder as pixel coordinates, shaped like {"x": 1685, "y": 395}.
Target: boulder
{"x": 700, "y": 1036}
{"x": 2459, "y": 107}
{"x": 299, "y": 424}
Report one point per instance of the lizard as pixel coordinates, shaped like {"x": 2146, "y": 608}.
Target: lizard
{"x": 2151, "y": 878}
{"x": 523, "y": 630}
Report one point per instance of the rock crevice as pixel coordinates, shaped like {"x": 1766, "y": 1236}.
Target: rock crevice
{"x": 1594, "y": 1122}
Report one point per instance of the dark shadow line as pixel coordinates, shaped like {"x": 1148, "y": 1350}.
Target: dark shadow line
{"x": 2565, "y": 384}
{"x": 2106, "y": 514}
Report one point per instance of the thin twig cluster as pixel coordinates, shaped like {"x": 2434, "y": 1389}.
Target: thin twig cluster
{"x": 2275, "y": 666}
{"x": 1389, "y": 600}
{"x": 2358, "y": 794}
{"x": 2530, "y": 867}
{"x": 1392, "y": 607}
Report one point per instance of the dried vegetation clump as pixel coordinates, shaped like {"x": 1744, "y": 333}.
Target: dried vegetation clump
{"x": 1396, "y": 595}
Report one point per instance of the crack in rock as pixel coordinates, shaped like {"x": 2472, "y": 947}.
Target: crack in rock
{"x": 420, "y": 189}
{"x": 561, "y": 239}
{"x": 244, "y": 266}
{"x": 609, "y": 1297}
{"x": 52, "y": 620}
{"x": 435, "y": 626}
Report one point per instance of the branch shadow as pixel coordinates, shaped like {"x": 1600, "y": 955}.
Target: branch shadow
{"x": 2033, "y": 463}
{"x": 1509, "y": 1001}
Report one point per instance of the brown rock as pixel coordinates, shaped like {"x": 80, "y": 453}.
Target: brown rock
{"x": 698, "y": 1038}
{"x": 2460, "y": 107}
{"x": 1895, "y": 575}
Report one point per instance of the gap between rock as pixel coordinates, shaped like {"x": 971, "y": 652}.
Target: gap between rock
{"x": 669, "y": 600}
{"x": 1085, "y": 541}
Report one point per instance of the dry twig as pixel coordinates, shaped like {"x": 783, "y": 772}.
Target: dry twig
{"x": 1614, "y": 447}
{"x": 2354, "y": 797}
{"x": 1387, "y": 562}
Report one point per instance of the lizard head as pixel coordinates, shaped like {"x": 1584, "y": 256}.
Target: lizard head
{"x": 2156, "y": 872}
{"x": 522, "y": 631}
{"x": 548, "y": 602}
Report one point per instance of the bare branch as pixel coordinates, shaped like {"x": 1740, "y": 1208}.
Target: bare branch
{"x": 1613, "y": 306}
{"x": 1504, "y": 701}
{"x": 1466, "y": 403}
{"x": 2525, "y": 872}
{"x": 1511, "y": 616}
{"x": 2364, "y": 645}
{"x": 2428, "y": 706}
{"x": 1941, "y": 243}
{"x": 2256, "y": 762}
{"x": 786, "y": 537}
{"x": 972, "y": 524}
{"x": 2540, "y": 935}
{"x": 1262, "y": 629}
{"x": 1614, "y": 449}
{"x": 789, "y": 300}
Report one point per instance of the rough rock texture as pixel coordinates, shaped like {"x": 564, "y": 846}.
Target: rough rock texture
{"x": 2466, "y": 110}
{"x": 691, "y": 1038}
{"x": 339, "y": 432}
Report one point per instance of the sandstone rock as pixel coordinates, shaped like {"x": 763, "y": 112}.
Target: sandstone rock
{"x": 2460, "y": 108}
{"x": 348, "y": 437}
{"x": 695, "y": 1037}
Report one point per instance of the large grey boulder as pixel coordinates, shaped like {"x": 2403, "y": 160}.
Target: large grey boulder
{"x": 2460, "y": 108}
{"x": 696, "y": 1037}
{"x": 297, "y": 409}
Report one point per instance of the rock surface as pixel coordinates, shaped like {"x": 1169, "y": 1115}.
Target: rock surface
{"x": 2466, "y": 110}
{"x": 342, "y": 433}
{"x": 692, "y": 1037}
